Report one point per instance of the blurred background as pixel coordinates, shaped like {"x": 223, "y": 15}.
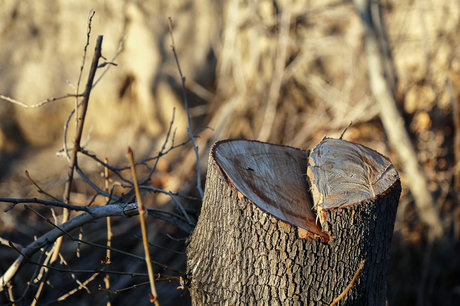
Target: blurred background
{"x": 288, "y": 72}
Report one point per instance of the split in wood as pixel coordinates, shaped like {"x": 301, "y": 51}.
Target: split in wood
{"x": 339, "y": 174}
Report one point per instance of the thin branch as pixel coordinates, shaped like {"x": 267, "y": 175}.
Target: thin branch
{"x": 117, "y": 53}
{"x": 76, "y": 146}
{"x": 80, "y": 286}
{"x": 164, "y": 215}
{"x": 42, "y": 275}
{"x": 83, "y": 271}
{"x": 163, "y": 147}
{"x": 116, "y": 291}
{"x": 81, "y": 119}
{"x": 40, "y": 104}
{"x": 9, "y": 243}
{"x": 94, "y": 186}
{"x": 165, "y": 278}
{"x": 39, "y": 189}
{"x": 111, "y": 63}
{"x": 189, "y": 123}
{"x": 142, "y": 212}
{"x": 350, "y": 285}
{"x": 179, "y": 205}
{"x": 345, "y": 130}
{"x": 109, "y": 231}
{"x": 82, "y": 66}
{"x": 85, "y": 48}
{"x": 16, "y": 201}
{"x": 66, "y": 128}
{"x": 94, "y": 213}
{"x": 10, "y": 294}
{"x": 49, "y": 222}
{"x": 141, "y": 162}
{"x": 176, "y": 221}
{"x": 104, "y": 247}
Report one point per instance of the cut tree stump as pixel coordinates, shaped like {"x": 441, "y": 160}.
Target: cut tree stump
{"x": 280, "y": 226}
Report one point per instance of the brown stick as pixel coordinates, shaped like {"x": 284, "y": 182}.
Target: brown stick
{"x": 77, "y": 140}
{"x": 142, "y": 213}
{"x": 350, "y": 285}
{"x": 109, "y": 233}
{"x": 39, "y": 104}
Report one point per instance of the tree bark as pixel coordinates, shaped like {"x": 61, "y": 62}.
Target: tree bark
{"x": 264, "y": 238}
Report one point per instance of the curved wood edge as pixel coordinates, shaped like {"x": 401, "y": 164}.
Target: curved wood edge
{"x": 308, "y": 226}
{"x": 299, "y": 209}
{"x": 342, "y": 174}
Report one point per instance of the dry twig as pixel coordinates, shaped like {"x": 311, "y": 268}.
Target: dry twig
{"x": 40, "y": 104}
{"x": 93, "y": 214}
{"x": 76, "y": 147}
{"x": 350, "y": 285}
{"x": 182, "y": 220}
{"x": 109, "y": 232}
{"x": 142, "y": 212}
{"x": 189, "y": 123}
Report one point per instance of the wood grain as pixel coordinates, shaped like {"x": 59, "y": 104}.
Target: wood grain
{"x": 344, "y": 173}
{"x": 271, "y": 176}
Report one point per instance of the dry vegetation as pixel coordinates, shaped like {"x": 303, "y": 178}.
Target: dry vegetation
{"x": 284, "y": 71}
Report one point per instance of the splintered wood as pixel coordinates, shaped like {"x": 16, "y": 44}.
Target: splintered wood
{"x": 343, "y": 173}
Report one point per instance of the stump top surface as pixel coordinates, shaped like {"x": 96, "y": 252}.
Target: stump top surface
{"x": 278, "y": 179}
{"x": 271, "y": 176}
{"x": 344, "y": 173}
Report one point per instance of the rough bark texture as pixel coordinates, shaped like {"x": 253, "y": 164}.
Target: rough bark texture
{"x": 240, "y": 254}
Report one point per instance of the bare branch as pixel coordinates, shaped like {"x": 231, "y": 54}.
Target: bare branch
{"x": 142, "y": 213}
{"x": 93, "y": 214}
{"x": 85, "y": 48}
{"x": 40, "y": 104}
{"x": 179, "y": 205}
{"x": 16, "y": 201}
{"x": 94, "y": 186}
{"x": 121, "y": 47}
{"x": 9, "y": 243}
{"x": 189, "y": 123}
{"x": 80, "y": 124}
{"x": 39, "y": 189}
{"x": 81, "y": 119}
{"x": 163, "y": 147}
{"x": 80, "y": 286}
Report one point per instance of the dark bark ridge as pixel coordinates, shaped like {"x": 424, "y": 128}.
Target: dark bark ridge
{"x": 240, "y": 253}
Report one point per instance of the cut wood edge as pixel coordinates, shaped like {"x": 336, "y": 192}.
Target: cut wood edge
{"x": 339, "y": 174}
{"x": 342, "y": 174}
{"x": 273, "y": 178}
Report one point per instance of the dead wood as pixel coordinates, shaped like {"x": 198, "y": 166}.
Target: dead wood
{"x": 257, "y": 239}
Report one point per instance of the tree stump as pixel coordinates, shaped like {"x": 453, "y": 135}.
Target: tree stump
{"x": 281, "y": 226}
